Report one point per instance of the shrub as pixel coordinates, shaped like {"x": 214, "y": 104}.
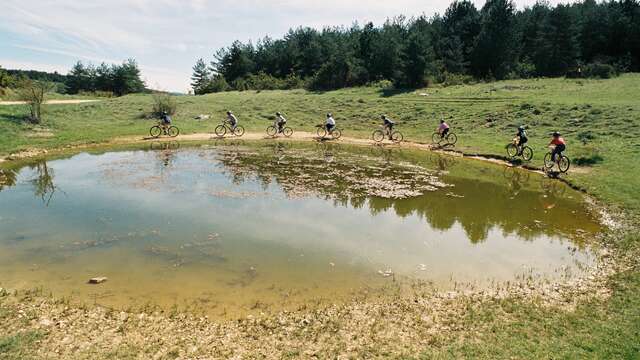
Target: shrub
{"x": 34, "y": 93}
{"x": 218, "y": 84}
{"x": 452, "y": 79}
{"x": 599, "y": 70}
{"x": 382, "y": 84}
{"x": 163, "y": 102}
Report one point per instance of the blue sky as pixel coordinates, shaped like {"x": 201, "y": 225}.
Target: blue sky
{"x": 166, "y": 37}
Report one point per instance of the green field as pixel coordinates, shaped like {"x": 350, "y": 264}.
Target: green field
{"x": 599, "y": 118}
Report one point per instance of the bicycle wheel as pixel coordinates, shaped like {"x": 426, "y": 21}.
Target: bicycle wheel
{"x": 287, "y": 131}
{"x": 436, "y": 138}
{"x": 155, "y": 131}
{"x": 322, "y": 132}
{"x": 238, "y": 131}
{"x": 548, "y": 163}
{"x": 527, "y": 153}
{"x": 336, "y": 133}
{"x": 173, "y": 131}
{"x": 452, "y": 138}
{"x": 221, "y": 130}
{"x": 378, "y": 136}
{"x": 512, "y": 150}
{"x": 564, "y": 164}
{"x": 397, "y": 136}
{"x": 271, "y": 130}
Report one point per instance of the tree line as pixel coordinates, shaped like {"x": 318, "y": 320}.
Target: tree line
{"x": 117, "y": 79}
{"x": 498, "y": 41}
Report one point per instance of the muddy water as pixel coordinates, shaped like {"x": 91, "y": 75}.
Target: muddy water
{"x": 245, "y": 228}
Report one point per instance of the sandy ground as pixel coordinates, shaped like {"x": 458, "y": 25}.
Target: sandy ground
{"x": 49, "y": 102}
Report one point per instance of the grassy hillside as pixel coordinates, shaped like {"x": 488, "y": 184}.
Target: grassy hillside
{"x": 599, "y": 118}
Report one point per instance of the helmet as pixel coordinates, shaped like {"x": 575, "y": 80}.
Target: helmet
{"x": 329, "y": 115}
{"x": 521, "y": 127}
{"x": 164, "y": 113}
{"x": 384, "y": 117}
{"x": 556, "y": 134}
{"x": 277, "y": 114}
{"x": 229, "y": 112}
{"x": 441, "y": 121}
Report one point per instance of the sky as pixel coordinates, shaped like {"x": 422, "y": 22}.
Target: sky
{"x": 166, "y": 37}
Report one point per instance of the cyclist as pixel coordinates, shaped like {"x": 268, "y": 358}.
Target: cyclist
{"x": 521, "y": 138}
{"x": 281, "y": 121}
{"x": 559, "y": 145}
{"x": 330, "y": 124}
{"x": 443, "y": 129}
{"x": 165, "y": 121}
{"x": 232, "y": 119}
{"x": 388, "y": 125}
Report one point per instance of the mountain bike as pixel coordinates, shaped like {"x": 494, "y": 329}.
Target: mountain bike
{"x": 159, "y": 129}
{"x": 514, "y": 150}
{"x": 562, "y": 161}
{"x": 380, "y": 134}
{"x": 273, "y": 131}
{"x": 323, "y": 132}
{"x": 449, "y": 139}
{"x": 225, "y": 127}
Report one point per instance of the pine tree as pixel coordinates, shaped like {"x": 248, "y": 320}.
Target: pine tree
{"x": 200, "y": 79}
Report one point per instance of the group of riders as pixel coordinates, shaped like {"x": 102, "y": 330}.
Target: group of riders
{"x": 557, "y": 143}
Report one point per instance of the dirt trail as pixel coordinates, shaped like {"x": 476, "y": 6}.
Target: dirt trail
{"x": 50, "y": 102}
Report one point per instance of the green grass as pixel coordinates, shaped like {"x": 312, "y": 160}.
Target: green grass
{"x": 599, "y": 118}
{"x": 19, "y": 346}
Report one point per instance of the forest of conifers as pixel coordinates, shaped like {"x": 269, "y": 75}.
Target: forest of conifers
{"x": 498, "y": 41}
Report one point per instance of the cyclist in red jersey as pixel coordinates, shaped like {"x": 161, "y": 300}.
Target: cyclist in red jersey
{"x": 559, "y": 145}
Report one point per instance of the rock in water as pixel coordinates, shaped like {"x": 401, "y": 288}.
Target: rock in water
{"x": 97, "y": 280}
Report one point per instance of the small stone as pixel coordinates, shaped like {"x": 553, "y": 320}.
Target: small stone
{"x": 97, "y": 280}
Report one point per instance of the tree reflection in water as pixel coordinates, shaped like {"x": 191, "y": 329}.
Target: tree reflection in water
{"x": 509, "y": 201}
{"x": 43, "y": 185}
{"x": 8, "y": 178}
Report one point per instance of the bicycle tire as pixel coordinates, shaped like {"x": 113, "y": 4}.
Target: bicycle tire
{"x": 238, "y": 131}
{"x": 452, "y": 138}
{"x": 436, "y": 138}
{"x": 527, "y": 153}
{"x": 287, "y": 131}
{"x": 173, "y": 131}
{"x": 272, "y": 131}
{"x": 564, "y": 164}
{"x": 377, "y": 136}
{"x": 548, "y": 163}
{"x": 155, "y": 131}
{"x": 512, "y": 150}
{"x": 397, "y": 137}
{"x": 336, "y": 133}
{"x": 322, "y": 132}
{"x": 221, "y": 130}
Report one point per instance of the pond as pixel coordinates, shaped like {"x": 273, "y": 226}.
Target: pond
{"x": 245, "y": 228}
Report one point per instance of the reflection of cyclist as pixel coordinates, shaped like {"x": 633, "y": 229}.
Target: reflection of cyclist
{"x": 232, "y": 119}
{"x": 559, "y": 145}
{"x": 388, "y": 125}
{"x": 280, "y": 122}
{"x": 443, "y": 129}
{"x": 330, "y": 124}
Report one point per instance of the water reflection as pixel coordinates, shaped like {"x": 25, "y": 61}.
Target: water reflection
{"x": 511, "y": 202}
{"x": 8, "y": 178}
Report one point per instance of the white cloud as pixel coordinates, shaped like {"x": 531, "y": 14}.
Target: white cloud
{"x": 167, "y": 36}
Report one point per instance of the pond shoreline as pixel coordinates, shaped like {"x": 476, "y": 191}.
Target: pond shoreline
{"x": 398, "y": 325}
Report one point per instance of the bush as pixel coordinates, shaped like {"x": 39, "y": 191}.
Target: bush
{"x": 33, "y": 93}
{"x": 382, "y": 84}
{"x": 97, "y": 93}
{"x": 163, "y": 103}
{"x": 451, "y": 79}
{"x": 218, "y": 84}
{"x": 599, "y": 70}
